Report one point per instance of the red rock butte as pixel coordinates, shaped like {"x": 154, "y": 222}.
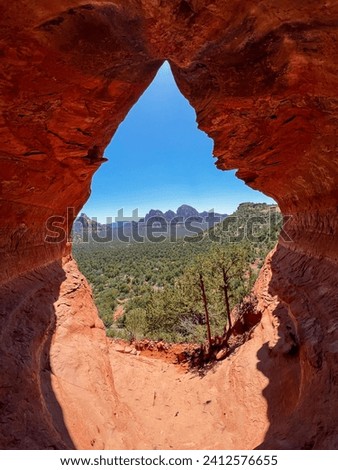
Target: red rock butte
{"x": 262, "y": 77}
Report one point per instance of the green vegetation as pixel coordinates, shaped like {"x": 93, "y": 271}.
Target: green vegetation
{"x": 158, "y": 284}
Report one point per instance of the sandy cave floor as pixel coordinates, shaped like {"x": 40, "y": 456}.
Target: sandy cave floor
{"x": 175, "y": 408}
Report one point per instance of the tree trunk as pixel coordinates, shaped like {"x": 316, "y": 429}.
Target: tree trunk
{"x": 205, "y": 302}
{"x": 226, "y": 296}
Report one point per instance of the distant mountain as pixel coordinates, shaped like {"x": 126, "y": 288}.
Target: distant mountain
{"x": 259, "y": 223}
{"x": 83, "y": 221}
{"x": 255, "y": 221}
{"x": 84, "y": 227}
{"x": 153, "y": 214}
{"x": 169, "y": 215}
{"x": 184, "y": 211}
{"x": 87, "y": 229}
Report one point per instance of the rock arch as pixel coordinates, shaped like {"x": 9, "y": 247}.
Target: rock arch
{"x": 263, "y": 81}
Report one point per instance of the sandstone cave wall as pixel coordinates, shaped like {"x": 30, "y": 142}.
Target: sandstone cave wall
{"x": 262, "y": 78}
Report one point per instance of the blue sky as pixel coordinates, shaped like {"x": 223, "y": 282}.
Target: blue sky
{"x": 158, "y": 159}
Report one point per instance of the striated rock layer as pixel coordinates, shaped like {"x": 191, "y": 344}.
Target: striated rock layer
{"x": 262, "y": 79}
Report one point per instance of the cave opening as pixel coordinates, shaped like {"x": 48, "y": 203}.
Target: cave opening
{"x": 159, "y": 212}
{"x": 262, "y": 81}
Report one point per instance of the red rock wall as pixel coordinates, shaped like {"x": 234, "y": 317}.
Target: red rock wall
{"x": 263, "y": 81}
{"x": 57, "y": 388}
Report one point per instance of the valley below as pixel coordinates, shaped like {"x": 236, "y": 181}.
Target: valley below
{"x": 152, "y": 289}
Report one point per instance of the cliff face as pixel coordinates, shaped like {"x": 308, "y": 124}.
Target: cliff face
{"x": 263, "y": 81}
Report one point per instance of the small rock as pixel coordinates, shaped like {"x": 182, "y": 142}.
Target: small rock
{"x": 128, "y": 349}
{"x": 181, "y": 357}
{"x": 221, "y": 354}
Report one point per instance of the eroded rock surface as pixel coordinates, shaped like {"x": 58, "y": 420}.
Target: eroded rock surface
{"x": 57, "y": 388}
{"x": 263, "y": 81}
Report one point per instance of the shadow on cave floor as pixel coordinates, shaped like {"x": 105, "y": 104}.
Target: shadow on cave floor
{"x": 280, "y": 363}
{"x": 30, "y": 415}
{"x": 302, "y": 390}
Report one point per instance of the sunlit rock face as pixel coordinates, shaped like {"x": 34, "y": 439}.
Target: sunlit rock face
{"x": 262, "y": 79}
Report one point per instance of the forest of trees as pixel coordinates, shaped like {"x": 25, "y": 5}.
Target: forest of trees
{"x": 157, "y": 286}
